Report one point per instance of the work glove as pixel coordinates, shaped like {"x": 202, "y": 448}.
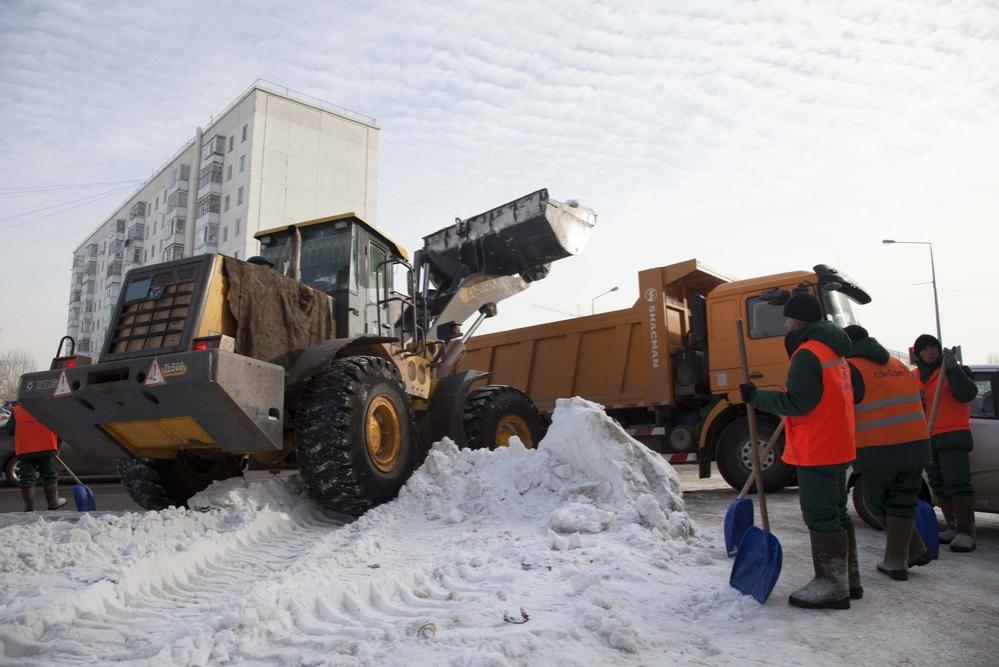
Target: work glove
{"x": 747, "y": 391}
{"x": 950, "y": 358}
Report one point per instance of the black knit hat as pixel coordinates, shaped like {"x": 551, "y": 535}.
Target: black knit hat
{"x": 803, "y": 307}
{"x": 926, "y": 340}
{"x": 856, "y": 332}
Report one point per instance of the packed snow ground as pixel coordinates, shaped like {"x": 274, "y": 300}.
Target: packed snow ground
{"x": 578, "y": 553}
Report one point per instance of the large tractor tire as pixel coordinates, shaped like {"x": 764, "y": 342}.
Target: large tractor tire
{"x": 734, "y": 455}
{"x": 156, "y": 484}
{"x": 355, "y": 440}
{"x": 495, "y": 413}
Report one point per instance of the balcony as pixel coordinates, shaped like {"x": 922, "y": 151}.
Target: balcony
{"x": 138, "y": 210}
{"x": 176, "y": 203}
{"x": 207, "y": 235}
{"x": 136, "y": 231}
{"x": 212, "y": 147}
{"x": 78, "y": 261}
{"x": 114, "y": 268}
{"x": 173, "y": 251}
{"x": 91, "y": 252}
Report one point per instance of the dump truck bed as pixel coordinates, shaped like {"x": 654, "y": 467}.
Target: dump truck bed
{"x": 620, "y": 359}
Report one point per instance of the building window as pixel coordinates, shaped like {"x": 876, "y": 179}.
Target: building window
{"x": 239, "y": 196}
{"x": 210, "y": 174}
{"x": 231, "y": 138}
{"x": 157, "y": 205}
{"x": 228, "y": 173}
{"x": 155, "y": 222}
{"x": 236, "y": 232}
{"x": 180, "y": 225}
{"x": 242, "y": 163}
{"x": 226, "y": 206}
{"x": 225, "y": 233}
{"x": 209, "y": 204}
{"x": 244, "y": 133}
{"x": 236, "y": 254}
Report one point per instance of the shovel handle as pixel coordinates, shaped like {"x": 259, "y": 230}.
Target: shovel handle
{"x": 757, "y": 465}
{"x": 764, "y": 454}
{"x": 63, "y": 464}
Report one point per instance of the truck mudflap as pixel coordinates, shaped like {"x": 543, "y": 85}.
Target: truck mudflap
{"x": 154, "y": 406}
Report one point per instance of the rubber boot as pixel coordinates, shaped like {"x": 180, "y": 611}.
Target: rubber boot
{"x": 898, "y": 534}
{"x": 947, "y": 507}
{"x": 853, "y": 568}
{"x": 52, "y": 497}
{"x": 28, "y": 496}
{"x": 964, "y": 524}
{"x": 919, "y": 555}
{"x": 830, "y": 589}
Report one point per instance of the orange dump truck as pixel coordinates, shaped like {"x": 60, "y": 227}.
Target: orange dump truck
{"x": 668, "y": 367}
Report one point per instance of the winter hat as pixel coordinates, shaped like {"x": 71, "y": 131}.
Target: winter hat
{"x": 803, "y": 307}
{"x": 856, "y": 332}
{"x": 926, "y": 340}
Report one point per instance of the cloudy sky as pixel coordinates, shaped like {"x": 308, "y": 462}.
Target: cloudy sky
{"x": 756, "y": 137}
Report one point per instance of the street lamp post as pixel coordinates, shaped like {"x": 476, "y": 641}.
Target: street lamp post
{"x": 594, "y": 299}
{"x": 936, "y": 310}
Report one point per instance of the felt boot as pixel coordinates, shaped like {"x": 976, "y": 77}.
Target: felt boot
{"x": 898, "y": 534}
{"x": 918, "y": 553}
{"x": 853, "y": 571}
{"x": 830, "y": 589}
{"x": 28, "y": 496}
{"x": 52, "y": 497}
{"x": 964, "y": 524}
{"x": 947, "y": 507}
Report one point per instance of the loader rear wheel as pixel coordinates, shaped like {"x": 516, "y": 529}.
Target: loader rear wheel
{"x": 355, "y": 440}
{"x": 733, "y": 455}
{"x": 156, "y": 484}
{"x": 496, "y": 413}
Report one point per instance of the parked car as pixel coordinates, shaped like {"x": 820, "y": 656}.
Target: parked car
{"x": 984, "y": 457}
{"x": 80, "y": 464}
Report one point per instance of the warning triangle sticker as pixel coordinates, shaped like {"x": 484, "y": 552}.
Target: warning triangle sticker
{"x": 154, "y": 377}
{"x": 62, "y": 387}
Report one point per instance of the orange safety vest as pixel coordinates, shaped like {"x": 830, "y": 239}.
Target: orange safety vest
{"x": 825, "y": 436}
{"x": 892, "y": 410}
{"x": 30, "y": 436}
{"x": 952, "y": 414}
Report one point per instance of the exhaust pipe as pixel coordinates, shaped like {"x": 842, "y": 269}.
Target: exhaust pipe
{"x": 295, "y": 266}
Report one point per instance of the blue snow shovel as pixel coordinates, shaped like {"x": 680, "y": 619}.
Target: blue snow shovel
{"x": 82, "y": 495}
{"x": 926, "y": 526}
{"x": 758, "y": 562}
{"x": 739, "y": 516}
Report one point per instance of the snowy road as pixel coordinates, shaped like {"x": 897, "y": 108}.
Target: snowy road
{"x": 587, "y": 535}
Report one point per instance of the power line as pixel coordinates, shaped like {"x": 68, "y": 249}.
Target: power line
{"x": 68, "y": 206}
{"x": 70, "y": 201}
{"x": 46, "y": 189}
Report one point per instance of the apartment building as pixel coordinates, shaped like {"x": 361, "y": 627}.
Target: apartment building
{"x": 272, "y": 157}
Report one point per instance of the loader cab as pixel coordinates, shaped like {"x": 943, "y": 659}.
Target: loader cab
{"x": 364, "y": 271}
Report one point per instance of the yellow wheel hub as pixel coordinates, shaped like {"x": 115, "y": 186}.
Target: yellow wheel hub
{"x": 513, "y": 425}
{"x": 384, "y": 434}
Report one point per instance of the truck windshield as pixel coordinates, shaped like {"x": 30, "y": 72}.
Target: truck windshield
{"x": 838, "y": 307}
{"x": 327, "y": 255}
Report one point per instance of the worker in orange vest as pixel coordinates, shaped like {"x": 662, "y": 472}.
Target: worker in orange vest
{"x": 820, "y": 440}
{"x": 893, "y": 444}
{"x": 949, "y": 470}
{"x": 35, "y": 447}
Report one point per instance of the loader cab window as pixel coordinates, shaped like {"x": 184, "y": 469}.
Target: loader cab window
{"x": 328, "y": 255}
{"x": 378, "y": 286}
{"x": 766, "y": 320}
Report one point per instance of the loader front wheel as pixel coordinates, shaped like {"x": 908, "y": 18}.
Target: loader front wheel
{"x": 496, "y": 413}
{"x": 355, "y": 440}
{"x": 156, "y": 484}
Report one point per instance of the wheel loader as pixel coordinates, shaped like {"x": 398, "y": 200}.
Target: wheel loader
{"x": 330, "y": 351}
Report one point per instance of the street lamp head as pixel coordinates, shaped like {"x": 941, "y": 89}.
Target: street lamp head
{"x": 888, "y": 241}
{"x": 613, "y": 289}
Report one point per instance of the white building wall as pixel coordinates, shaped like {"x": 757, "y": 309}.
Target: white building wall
{"x": 283, "y": 159}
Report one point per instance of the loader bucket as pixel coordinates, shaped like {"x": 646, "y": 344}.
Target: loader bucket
{"x": 518, "y": 238}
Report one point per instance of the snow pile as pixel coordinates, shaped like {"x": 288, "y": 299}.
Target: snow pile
{"x": 572, "y": 554}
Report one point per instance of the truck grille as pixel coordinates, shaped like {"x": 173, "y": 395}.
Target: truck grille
{"x": 153, "y": 323}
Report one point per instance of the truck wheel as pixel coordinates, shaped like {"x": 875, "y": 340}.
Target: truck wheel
{"x": 861, "y": 507}
{"x": 157, "y": 484}
{"x": 495, "y": 413}
{"x": 734, "y": 455}
{"x": 10, "y": 472}
{"x": 355, "y": 438}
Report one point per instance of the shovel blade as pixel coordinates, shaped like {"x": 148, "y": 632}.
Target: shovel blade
{"x": 84, "y": 498}
{"x": 926, "y": 526}
{"x": 757, "y": 565}
{"x": 738, "y": 518}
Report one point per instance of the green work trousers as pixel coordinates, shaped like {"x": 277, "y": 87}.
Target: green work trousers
{"x": 893, "y": 492}
{"x": 949, "y": 471}
{"x": 34, "y": 466}
{"x": 822, "y": 493}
